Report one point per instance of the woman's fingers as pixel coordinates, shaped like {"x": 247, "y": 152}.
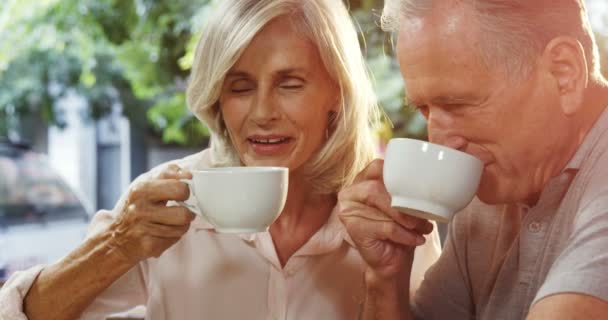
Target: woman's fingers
{"x": 173, "y": 171}
{"x": 147, "y": 227}
{"x": 165, "y": 231}
{"x": 142, "y": 212}
{"x": 139, "y": 239}
{"x": 160, "y": 190}
{"x": 173, "y": 216}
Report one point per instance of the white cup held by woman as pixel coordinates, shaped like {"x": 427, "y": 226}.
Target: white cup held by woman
{"x": 238, "y": 199}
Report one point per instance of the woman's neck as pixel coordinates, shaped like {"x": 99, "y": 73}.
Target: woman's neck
{"x": 305, "y": 212}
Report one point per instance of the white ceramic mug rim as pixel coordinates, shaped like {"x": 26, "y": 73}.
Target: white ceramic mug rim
{"x": 442, "y": 147}
{"x": 244, "y": 169}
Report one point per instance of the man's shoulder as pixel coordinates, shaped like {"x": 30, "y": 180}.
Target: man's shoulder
{"x": 593, "y": 176}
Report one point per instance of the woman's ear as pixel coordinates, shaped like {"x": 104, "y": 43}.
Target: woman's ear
{"x": 567, "y": 64}
{"x": 331, "y": 118}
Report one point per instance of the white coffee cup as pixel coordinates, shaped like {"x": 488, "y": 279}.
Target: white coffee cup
{"x": 429, "y": 181}
{"x": 238, "y": 199}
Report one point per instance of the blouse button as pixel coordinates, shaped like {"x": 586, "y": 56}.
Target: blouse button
{"x": 535, "y": 227}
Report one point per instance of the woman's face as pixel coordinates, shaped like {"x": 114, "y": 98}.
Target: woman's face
{"x": 277, "y": 98}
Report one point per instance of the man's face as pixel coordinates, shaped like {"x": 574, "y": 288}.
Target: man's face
{"x": 511, "y": 124}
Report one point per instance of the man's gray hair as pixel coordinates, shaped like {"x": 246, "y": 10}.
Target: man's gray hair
{"x": 514, "y": 32}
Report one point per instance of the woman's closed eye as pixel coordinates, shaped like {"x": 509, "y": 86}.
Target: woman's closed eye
{"x": 241, "y": 86}
{"x": 292, "y": 83}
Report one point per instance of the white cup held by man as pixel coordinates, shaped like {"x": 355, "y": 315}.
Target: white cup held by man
{"x": 238, "y": 199}
{"x": 429, "y": 181}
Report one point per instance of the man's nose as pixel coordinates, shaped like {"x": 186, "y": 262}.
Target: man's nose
{"x": 441, "y": 130}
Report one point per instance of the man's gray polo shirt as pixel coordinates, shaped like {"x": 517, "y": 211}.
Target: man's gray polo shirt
{"x": 499, "y": 260}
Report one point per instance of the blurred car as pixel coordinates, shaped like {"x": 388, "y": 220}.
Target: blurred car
{"x": 41, "y": 218}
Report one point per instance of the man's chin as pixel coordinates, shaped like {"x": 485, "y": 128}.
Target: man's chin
{"x": 489, "y": 192}
{"x": 487, "y": 199}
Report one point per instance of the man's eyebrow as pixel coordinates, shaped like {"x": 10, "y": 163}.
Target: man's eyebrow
{"x": 451, "y": 99}
{"x": 443, "y": 100}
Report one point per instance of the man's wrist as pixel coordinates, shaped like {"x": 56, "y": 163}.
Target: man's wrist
{"x": 390, "y": 287}
{"x": 386, "y": 298}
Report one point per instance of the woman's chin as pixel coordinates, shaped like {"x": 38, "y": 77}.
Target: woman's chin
{"x": 266, "y": 163}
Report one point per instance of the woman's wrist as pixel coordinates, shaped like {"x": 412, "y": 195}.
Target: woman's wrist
{"x": 79, "y": 278}
{"x": 110, "y": 246}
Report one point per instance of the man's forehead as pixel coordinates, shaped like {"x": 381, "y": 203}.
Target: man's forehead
{"x": 445, "y": 27}
{"x": 445, "y": 18}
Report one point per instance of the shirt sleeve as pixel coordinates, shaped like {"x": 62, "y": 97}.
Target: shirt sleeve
{"x": 582, "y": 266}
{"x": 124, "y": 294}
{"x": 443, "y": 292}
{"x": 14, "y": 291}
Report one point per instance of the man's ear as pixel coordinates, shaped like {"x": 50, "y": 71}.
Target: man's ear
{"x": 567, "y": 63}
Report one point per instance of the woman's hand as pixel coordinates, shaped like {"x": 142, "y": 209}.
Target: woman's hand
{"x": 146, "y": 226}
{"x": 385, "y": 237}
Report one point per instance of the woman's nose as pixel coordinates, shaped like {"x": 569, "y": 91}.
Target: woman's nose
{"x": 264, "y": 108}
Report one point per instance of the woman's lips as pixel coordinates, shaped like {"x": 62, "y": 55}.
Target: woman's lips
{"x": 269, "y": 145}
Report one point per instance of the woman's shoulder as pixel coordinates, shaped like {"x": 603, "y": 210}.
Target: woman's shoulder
{"x": 196, "y": 161}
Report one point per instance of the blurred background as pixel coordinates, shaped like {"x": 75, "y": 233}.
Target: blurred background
{"x": 92, "y": 95}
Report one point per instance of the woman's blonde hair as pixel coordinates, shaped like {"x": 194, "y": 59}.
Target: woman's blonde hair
{"x": 350, "y": 146}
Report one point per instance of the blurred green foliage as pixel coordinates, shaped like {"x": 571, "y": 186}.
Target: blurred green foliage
{"x": 138, "y": 53}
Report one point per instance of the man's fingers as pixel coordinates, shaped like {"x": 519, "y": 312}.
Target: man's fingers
{"x": 383, "y": 230}
{"x": 376, "y": 224}
{"x": 373, "y": 194}
{"x": 398, "y": 234}
{"x": 424, "y": 227}
{"x": 373, "y": 171}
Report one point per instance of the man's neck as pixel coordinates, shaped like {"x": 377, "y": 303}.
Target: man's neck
{"x": 594, "y": 103}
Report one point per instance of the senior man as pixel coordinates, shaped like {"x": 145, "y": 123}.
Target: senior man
{"x": 517, "y": 84}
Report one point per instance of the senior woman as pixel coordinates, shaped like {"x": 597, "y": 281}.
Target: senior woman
{"x": 279, "y": 83}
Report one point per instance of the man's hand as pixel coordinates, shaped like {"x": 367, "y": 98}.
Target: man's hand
{"x": 385, "y": 238}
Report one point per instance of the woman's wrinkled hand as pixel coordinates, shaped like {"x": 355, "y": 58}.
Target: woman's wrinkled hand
{"x": 146, "y": 226}
{"x": 385, "y": 237}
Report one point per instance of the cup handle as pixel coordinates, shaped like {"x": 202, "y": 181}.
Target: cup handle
{"x": 191, "y": 202}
